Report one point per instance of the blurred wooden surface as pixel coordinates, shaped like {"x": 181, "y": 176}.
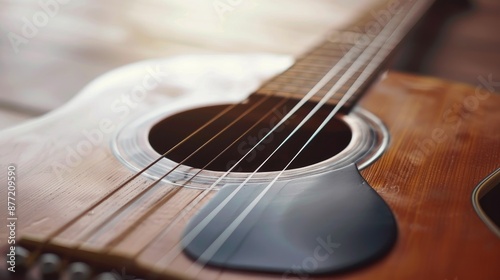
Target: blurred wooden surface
{"x": 470, "y": 45}
{"x": 461, "y": 41}
{"x": 84, "y": 39}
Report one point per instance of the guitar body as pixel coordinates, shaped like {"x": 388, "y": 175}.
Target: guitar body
{"x": 444, "y": 139}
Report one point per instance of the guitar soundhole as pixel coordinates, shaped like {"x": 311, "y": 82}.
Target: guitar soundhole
{"x": 236, "y": 140}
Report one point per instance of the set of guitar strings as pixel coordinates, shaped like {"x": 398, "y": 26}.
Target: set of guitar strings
{"x": 375, "y": 62}
{"x": 370, "y": 57}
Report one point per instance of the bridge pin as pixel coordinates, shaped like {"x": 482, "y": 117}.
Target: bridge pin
{"x": 50, "y": 266}
{"x": 79, "y": 271}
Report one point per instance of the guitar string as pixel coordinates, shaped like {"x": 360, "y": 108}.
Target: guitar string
{"x": 317, "y": 87}
{"x": 167, "y": 174}
{"x": 129, "y": 180}
{"x": 152, "y": 209}
{"x": 65, "y": 226}
{"x": 374, "y": 63}
{"x": 39, "y": 248}
{"x": 60, "y": 230}
{"x": 100, "y": 225}
{"x": 162, "y": 261}
{"x": 379, "y": 57}
{"x": 337, "y": 68}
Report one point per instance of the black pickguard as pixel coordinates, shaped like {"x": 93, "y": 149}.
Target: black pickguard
{"x": 319, "y": 224}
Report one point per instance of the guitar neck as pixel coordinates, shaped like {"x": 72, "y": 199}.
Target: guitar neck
{"x": 341, "y": 68}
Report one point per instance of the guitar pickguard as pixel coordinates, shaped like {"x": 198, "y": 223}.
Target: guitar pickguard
{"x": 312, "y": 225}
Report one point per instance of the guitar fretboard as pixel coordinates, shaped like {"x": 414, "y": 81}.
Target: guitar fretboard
{"x": 358, "y": 53}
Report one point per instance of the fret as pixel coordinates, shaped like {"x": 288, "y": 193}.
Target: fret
{"x": 338, "y": 53}
{"x": 311, "y": 73}
{"x": 308, "y": 68}
{"x": 299, "y": 76}
{"x": 324, "y": 56}
{"x": 305, "y": 82}
{"x": 320, "y": 64}
{"x": 311, "y": 67}
{"x": 333, "y": 100}
{"x": 305, "y": 64}
{"x": 292, "y": 78}
{"x": 310, "y": 60}
{"x": 301, "y": 82}
{"x": 304, "y": 90}
{"x": 316, "y": 98}
{"x": 308, "y": 71}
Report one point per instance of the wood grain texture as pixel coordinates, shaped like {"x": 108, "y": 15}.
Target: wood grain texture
{"x": 441, "y": 147}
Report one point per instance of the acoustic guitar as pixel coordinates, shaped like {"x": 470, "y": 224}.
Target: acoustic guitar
{"x": 260, "y": 167}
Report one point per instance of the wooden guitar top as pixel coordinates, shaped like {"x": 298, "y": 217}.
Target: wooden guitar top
{"x": 444, "y": 141}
